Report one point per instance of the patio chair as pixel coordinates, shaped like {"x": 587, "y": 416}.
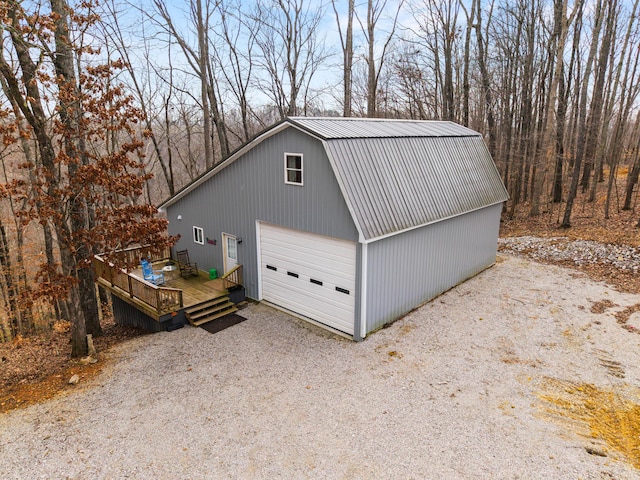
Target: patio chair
{"x": 187, "y": 268}
{"x": 150, "y": 275}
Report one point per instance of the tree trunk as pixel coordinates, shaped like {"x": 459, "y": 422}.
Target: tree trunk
{"x": 204, "y": 94}
{"x": 71, "y": 116}
{"x": 582, "y": 127}
{"x": 372, "y": 85}
{"x": 217, "y": 114}
{"x": 547, "y": 151}
{"x": 632, "y": 180}
{"x": 486, "y": 84}
{"x": 12, "y": 294}
{"x": 347, "y": 55}
{"x": 348, "y": 60}
{"x": 560, "y": 126}
{"x": 629, "y": 93}
{"x": 597, "y": 102}
{"x": 466, "y": 87}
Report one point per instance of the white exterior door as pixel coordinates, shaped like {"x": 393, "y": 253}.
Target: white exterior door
{"x": 230, "y": 251}
{"x": 311, "y": 275}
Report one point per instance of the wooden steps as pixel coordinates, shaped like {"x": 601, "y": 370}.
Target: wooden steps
{"x": 210, "y": 310}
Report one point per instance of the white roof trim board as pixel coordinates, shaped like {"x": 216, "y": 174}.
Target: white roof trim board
{"x": 397, "y": 175}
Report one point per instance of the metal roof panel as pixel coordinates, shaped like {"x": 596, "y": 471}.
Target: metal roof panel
{"x": 399, "y": 183}
{"x": 338, "y": 127}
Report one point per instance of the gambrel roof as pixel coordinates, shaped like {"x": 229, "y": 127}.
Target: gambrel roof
{"x": 396, "y": 175}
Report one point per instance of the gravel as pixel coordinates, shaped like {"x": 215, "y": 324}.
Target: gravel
{"x": 453, "y": 390}
{"x": 578, "y": 252}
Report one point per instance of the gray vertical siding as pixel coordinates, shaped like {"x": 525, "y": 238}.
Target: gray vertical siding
{"x": 406, "y": 270}
{"x": 252, "y": 188}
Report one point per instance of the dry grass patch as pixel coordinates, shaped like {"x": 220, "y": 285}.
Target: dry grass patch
{"x": 606, "y": 415}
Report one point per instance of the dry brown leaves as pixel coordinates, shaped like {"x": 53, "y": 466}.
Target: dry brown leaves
{"x": 623, "y": 316}
{"x": 602, "y": 306}
{"x": 587, "y": 224}
{"x": 37, "y": 368}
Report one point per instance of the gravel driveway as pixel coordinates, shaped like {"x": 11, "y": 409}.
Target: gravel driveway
{"x": 458, "y": 389}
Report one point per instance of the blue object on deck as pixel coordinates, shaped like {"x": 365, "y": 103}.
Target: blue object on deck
{"x": 150, "y": 275}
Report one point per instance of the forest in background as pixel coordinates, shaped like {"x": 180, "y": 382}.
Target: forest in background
{"x": 107, "y": 108}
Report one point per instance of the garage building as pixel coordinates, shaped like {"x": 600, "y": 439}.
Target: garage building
{"x": 348, "y": 223}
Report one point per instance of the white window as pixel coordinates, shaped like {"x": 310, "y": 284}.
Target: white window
{"x": 198, "y": 235}
{"x": 293, "y": 168}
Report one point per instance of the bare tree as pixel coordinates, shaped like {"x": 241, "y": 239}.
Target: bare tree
{"x": 375, "y": 62}
{"x": 594, "y": 125}
{"x": 485, "y": 79}
{"x": 237, "y": 32}
{"x": 438, "y": 31}
{"x": 583, "y": 127}
{"x": 291, "y": 51}
{"x": 141, "y": 82}
{"x": 466, "y": 87}
{"x": 346, "y": 42}
{"x": 630, "y": 89}
{"x": 634, "y": 171}
{"x": 198, "y": 59}
{"x": 554, "y": 118}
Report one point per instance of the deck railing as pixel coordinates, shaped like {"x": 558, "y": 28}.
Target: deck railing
{"x": 233, "y": 278}
{"x": 159, "y": 299}
{"x": 133, "y": 255}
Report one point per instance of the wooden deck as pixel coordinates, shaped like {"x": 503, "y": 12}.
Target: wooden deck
{"x": 194, "y": 289}
{"x": 174, "y": 301}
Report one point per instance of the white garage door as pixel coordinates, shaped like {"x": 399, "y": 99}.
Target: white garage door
{"x": 309, "y": 274}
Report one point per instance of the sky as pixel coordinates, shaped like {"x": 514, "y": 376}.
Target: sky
{"x": 138, "y": 20}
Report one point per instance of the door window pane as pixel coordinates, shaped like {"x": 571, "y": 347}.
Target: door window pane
{"x": 232, "y": 248}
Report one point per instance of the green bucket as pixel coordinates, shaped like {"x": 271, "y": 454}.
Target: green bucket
{"x": 213, "y": 274}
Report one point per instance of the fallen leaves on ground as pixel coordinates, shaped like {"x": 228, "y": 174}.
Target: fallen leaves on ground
{"x": 37, "y": 368}
{"x": 619, "y": 229}
{"x": 602, "y": 306}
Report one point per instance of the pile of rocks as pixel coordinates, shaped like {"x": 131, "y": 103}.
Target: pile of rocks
{"x": 578, "y": 252}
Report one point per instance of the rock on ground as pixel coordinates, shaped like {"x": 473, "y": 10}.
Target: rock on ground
{"x": 579, "y": 252}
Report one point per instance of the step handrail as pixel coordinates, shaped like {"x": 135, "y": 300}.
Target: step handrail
{"x": 233, "y": 277}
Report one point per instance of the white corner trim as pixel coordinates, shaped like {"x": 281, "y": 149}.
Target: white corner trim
{"x": 363, "y": 291}
{"x": 259, "y": 257}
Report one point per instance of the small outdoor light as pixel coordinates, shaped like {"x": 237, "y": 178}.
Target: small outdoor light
{"x": 239, "y": 240}
{"x": 179, "y": 217}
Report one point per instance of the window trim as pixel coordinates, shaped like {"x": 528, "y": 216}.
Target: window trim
{"x": 287, "y": 169}
{"x": 198, "y": 235}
